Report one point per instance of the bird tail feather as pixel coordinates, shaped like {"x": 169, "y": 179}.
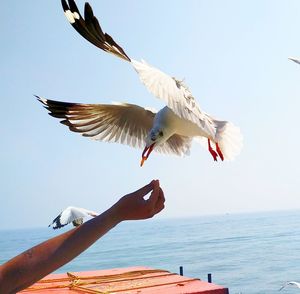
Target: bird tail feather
{"x": 229, "y": 138}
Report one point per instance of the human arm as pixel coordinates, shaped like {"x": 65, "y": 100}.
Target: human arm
{"x": 33, "y": 264}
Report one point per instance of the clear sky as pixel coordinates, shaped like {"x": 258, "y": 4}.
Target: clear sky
{"x": 232, "y": 54}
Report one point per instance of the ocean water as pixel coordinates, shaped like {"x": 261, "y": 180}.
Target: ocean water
{"x": 248, "y": 253}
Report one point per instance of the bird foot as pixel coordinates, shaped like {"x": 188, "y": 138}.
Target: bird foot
{"x": 212, "y": 151}
{"x": 219, "y": 151}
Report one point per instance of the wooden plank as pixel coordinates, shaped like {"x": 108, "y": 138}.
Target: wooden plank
{"x": 132, "y": 280}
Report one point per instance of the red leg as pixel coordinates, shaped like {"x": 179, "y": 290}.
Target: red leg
{"x": 212, "y": 152}
{"x": 219, "y": 151}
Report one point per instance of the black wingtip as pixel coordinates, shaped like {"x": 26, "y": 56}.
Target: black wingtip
{"x": 39, "y": 99}
{"x": 65, "y": 5}
{"x": 88, "y": 8}
{"x": 42, "y": 100}
{"x": 90, "y": 29}
{"x": 73, "y": 6}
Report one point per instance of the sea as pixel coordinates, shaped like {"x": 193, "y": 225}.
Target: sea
{"x": 248, "y": 253}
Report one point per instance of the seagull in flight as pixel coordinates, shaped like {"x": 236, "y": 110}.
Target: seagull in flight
{"x": 170, "y": 130}
{"x": 73, "y": 215}
{"x": 291, "y": 283}
{"x": 295, "y": 59}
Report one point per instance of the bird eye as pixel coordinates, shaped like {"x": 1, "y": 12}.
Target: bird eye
{"x": 161, "y": 133}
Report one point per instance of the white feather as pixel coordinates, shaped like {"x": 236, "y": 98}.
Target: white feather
{"x": 175, "y": 93}
{"x": 70, "y": 16}
{"x": 291, "y": 283}
{"x": 71, "y": 214}
{"x": 134, "y": 125}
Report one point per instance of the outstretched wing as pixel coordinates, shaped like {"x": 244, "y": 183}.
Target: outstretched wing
{"x": 56, "y": 223}
{"x": 290, "y": 283}
{"x": 176, "y": 94}
{"x": 91, "y": 212}
{"x": 71, "y": 214}
{"x": 295, "y": 59}
{"x": 90, "y": 29}
{"x": 121, "y": 123}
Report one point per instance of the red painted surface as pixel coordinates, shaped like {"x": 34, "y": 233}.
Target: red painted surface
{"x": 133, "y": 280}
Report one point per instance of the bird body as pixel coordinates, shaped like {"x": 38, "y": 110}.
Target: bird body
{"x": 171, "y": 124}
{"x": 170, "y": 130}
{"x": 290, "y": 283}
{"x": 73, "y": 215}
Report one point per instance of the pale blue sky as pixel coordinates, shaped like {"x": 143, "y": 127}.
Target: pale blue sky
{"x": 232, "y": 54}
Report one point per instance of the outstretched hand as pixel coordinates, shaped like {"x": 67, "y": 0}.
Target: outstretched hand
{"x": 133, "y": 206}
{"x": 33, "y": 264}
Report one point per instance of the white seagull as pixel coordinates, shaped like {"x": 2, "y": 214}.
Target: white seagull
{"x": 291, "y": 283}
{"x": 295, "y": 59}
{"x": 170, "y": 130}
{"x": 73, "y": 215}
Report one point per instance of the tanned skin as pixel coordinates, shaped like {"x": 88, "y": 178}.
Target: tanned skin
{"x": 30, "y": 266}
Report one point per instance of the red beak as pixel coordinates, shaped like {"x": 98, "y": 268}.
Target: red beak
{"x": 144, "y": 155}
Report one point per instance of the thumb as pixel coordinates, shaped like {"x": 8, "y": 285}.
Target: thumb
{"x": 155, "y": 193}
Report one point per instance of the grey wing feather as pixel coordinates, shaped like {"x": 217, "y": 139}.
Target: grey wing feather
{"x": 176, "y": 144}
{"x": 176, "y": 94}
{"x": 123, "y": 123}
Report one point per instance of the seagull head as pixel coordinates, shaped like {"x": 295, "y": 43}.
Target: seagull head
{"x": 77, "y": 222}
{"x": 155, "y": 137}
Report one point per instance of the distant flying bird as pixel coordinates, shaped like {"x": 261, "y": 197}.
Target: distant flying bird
{"x": 73, "y": 215}
{"x": 170, "y": 130}
{"x": 295, "y": 59}
{"x": 291, "y": 283}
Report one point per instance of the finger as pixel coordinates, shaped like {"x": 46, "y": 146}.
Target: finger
{"x": 159, "y": 209}
{"x": 161, "y": 199}
{"x": 161, "y": 195}
{"x": 146, "y": 189}
{"x": 155, "y": 193}
{"x": 160, "y": 204}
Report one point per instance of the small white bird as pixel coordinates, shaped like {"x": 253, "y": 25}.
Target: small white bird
{"x": 295, "y": 59}
{"x": 291, "y": 283}
{"x": 73, "y": 215}
{"x": 170, "y": 130}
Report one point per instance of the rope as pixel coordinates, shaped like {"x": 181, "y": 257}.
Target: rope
{"x": 87, "y": 290}
{"x": 73, "y": 281}
{"x": 105, "y": 277}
